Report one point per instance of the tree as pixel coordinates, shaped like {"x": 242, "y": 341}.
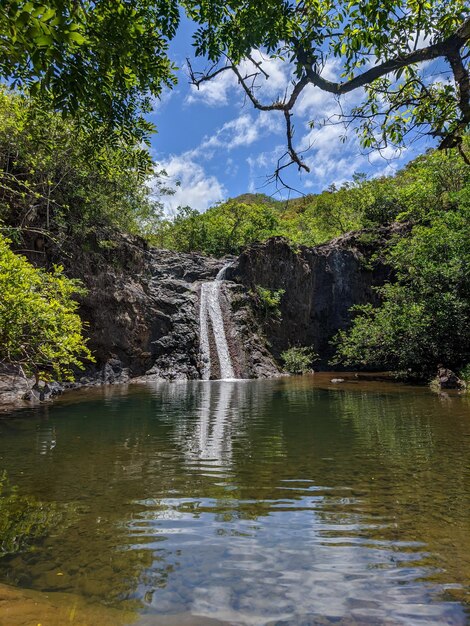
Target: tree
{"x": 424, "y": 318}
{"x": 53, "y": 179}
{"x": 380, "y": 47}
{"x": 105, "y": 60}
{"x": 40, "y": 329}
{"x": 101, "y": 60}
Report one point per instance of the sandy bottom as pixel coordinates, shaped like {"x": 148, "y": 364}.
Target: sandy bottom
{"x": 23, "y": 607}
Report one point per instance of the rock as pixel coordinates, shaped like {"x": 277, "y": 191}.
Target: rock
{"x": 14, "y": 386}
{"x": 447, "y": 379}
{"x": 320, "y": 286}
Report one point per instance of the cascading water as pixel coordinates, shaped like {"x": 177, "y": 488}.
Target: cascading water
{"x": 211, "y": 317}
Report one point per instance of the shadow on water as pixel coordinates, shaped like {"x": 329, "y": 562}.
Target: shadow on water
{"x": 288, "y": 501}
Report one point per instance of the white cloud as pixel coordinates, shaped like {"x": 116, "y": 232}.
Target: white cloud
{"x": 195, "y": 189}
{"x": 239, "y": 132}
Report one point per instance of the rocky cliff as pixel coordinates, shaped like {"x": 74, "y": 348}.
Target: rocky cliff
{"x": 320, "y": 285}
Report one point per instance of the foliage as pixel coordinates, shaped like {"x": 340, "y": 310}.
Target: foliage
{"x": 424, "y": 318}
{"x": 100, "y": 60}
{"x": 105, "y": 61}
{"x": 434, "y": 181}
{"x": 53, "y": 177}
{"x": 223, "y": 229}
{"x": 464, "y": 373}
{"x": 40, "y": 329}
{"x": 298, "y": 360}
{"x": 270, "y": 300}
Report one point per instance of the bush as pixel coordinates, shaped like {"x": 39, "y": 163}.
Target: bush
{"x": 39, "y": 327}
{"x": 464, "y": 373}
{"x": 270, "y": 300}
{"x": 298, "y": 360}
{"x": 424, "y": 318}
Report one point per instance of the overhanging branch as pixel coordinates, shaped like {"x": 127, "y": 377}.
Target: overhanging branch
{"x": 449, "y": 49}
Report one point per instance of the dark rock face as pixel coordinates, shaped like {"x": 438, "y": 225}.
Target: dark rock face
{"x": 321, "y": 284}
{"x": 143, "y": 319}
{"x": 250, "y": 355}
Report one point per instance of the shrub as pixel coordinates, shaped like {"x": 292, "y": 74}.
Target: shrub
{"x": 40, "y": 329}
{"x": 298, "y": 360}
{"x": 270, "y": 300}
{"x": 464, "y": 373}
{"x": 424, "y": 318}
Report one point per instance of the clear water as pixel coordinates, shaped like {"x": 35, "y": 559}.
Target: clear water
{"x": 289, "y": 501}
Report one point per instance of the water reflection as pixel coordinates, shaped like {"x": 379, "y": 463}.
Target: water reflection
{"x": 251, "y": 502}
{"x": 209, "y": 437}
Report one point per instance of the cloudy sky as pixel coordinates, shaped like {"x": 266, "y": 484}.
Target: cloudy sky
{"x": 217, "y": 146}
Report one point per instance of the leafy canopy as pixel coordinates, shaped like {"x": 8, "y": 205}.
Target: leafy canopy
{"x": 40, "y": 329}
{"x": 105, "y": 61}
{"x": 101, "y": 60}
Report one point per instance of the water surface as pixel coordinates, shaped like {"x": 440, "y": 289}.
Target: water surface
{"x": 250, "y": 502}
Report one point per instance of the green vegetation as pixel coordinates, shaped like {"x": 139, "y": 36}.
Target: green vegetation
{"x": 223, "y": 229}
{"x": 429, "y": 184}
{"x": 39, "y": 327}
{"x": 464, "y": 373}
{"x": 53, "y": 179}
{"x": 298, "y": 360}
{"x": 269, "y": 301}
{"x": 425, "y": 316}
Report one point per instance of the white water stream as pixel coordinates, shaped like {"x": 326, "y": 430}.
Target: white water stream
{"x": 210, "y": 316}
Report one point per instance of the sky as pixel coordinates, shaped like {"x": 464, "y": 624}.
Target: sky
{"x": 214, "y": 145}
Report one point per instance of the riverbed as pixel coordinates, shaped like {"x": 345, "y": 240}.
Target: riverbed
{"x": 288, "y": 501}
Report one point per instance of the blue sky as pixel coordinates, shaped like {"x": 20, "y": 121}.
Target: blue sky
{"x": 218, "y": 146}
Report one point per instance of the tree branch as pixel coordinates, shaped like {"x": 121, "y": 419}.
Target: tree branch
{"x": 440, "y": 49}
{"x": 450, "y": 49}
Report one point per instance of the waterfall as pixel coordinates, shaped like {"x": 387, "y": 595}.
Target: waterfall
{"x": 210, "y": 317}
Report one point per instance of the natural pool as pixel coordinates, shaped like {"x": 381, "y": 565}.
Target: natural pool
{"x": 289, "y": 501}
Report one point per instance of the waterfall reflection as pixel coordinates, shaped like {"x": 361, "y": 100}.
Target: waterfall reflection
{"x": 207, "y": 415}
{"x": 211, "y": 439}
